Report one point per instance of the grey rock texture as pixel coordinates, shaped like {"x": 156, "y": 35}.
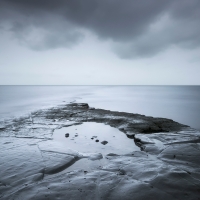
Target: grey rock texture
{"x": 34, "y": 166}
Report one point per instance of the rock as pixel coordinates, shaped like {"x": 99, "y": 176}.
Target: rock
{"x": 67, "y": 135}
{"x": 96, "y": 140}
{"x": 80, "y": 105}
{"x": 167, "y": 167}
{"x": 104, "y": 142}
{"x": 91, "y": 156}
{"x": 121, "y": 172}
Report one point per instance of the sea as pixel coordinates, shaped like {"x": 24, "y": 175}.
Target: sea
{"x": 179, "y": 103}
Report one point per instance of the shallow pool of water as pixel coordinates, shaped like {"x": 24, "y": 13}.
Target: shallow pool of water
{"x": 89, "y": 136}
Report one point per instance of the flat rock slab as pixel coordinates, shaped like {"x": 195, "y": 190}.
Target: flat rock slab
{"x": 34, "y": 166}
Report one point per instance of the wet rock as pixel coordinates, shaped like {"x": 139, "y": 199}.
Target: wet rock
{"x": 112, "y": 154}
{"x": 79, "y": 105}
{"x": 121, "y": 172}
{"x": 167, "y": 168}
{"x": 67, "y": 135}
{"x": 130, "y": 136}
{"x": 104, "y": 142}
{"x": 61, "y": 165}
{"x": 91, "y": 156}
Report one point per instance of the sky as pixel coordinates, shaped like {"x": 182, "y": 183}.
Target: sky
{"x": 99, "y": 42}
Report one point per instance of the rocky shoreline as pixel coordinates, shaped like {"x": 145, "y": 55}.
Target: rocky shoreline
{"x": 34, "y": 166}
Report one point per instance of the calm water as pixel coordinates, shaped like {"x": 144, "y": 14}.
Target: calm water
{"x": 180, "y": 103}
{"x": 88, "y": 136}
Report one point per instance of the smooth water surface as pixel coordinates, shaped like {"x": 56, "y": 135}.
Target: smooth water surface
{"x": 180, "y": 103}
{"x": 87, "y": 138}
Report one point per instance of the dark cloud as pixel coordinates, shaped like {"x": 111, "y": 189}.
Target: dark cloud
{"x": 46, "y": 36}
{"x": 137, "y": 28}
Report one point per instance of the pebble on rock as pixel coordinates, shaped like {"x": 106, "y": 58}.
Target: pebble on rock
{"x": 67, "y": 135}
{"x": 104, "y": 142}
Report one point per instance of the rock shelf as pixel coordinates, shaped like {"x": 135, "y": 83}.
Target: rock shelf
{"x": 34, "y": 166}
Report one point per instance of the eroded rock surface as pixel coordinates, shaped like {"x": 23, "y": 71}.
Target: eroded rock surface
{"x": 34, "y": 166}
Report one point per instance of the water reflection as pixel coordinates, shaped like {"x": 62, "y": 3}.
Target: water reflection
{"x": 90, "y": 137}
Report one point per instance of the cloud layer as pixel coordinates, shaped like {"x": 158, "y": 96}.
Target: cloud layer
{"x": 135, "y": 28}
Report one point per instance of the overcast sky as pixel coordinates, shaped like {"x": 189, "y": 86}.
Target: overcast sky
{"x": 100, "y": 42}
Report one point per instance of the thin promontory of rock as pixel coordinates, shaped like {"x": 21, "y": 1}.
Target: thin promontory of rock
{"x": 34, "y": 166}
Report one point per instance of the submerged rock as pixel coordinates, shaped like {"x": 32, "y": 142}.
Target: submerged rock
{"x": 104, "y": 142}
{"x": 67, "y": 135}
{"x": 167, "y": 167}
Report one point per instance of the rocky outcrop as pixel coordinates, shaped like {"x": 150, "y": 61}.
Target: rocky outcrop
{"x": 34, "y": 166}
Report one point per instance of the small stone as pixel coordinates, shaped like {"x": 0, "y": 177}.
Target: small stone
{"x": 104, "y": 142}
{"x": 92, "y": 138}
{"x": 67, "y": 135}
{"x": 121, "y": 172}
{"x": 96, "y": 140}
